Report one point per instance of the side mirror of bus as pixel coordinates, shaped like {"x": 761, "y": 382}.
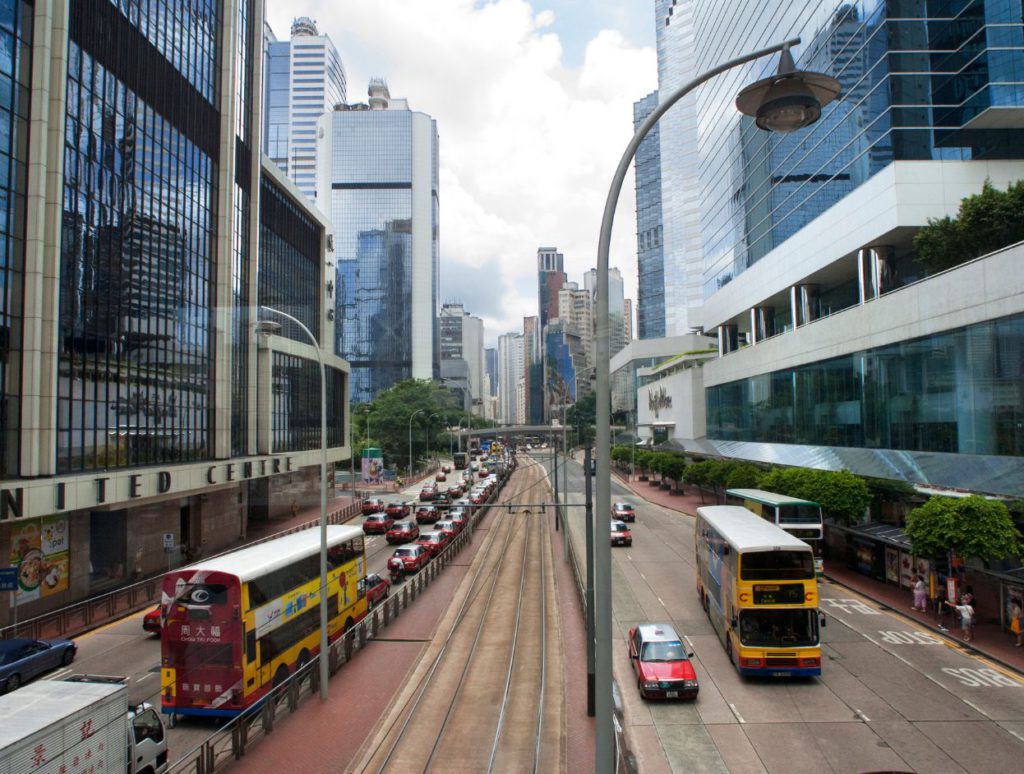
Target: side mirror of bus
{"x": 690, "y": 654}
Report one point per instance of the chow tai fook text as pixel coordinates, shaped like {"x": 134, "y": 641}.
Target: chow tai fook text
{"x": 101, "y": 489}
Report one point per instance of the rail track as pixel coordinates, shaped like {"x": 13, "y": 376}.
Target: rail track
{"x": 488, "y": 694}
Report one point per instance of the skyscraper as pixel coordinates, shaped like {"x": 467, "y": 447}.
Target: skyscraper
{"x": 462, "y": 338}
{"x": 491, "y": 355}
{"x": 550, "y": 278}
{"x": 377, "y": 180}
{"x": 510, "y": 378}
{"x": 142, "y": 406}
{"x": 858, "y": 357}
{"x": 305, "y": 78}
{"x": 533, "y": 370}
{"x": 650, "y": 256}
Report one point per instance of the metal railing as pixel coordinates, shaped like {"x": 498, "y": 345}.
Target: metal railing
{"x": 232, "y": 740}
{"x": 80, "y": 617}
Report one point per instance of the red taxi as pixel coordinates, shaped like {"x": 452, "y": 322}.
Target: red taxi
{"x": 447, "y": 527}
{"x": 621, "y": 536}
{"x": 375, "y": 588}
{"x": 428, "y": 493}
{"x": 151, "y": 621}
{"x": 403, "y": 532}
{"x": 372, "y": 505}
{"x": 426, "y": 514}
{"x": 397, "y": 510}
{"x": 377, "y": 524}
{"x": 434, "y": 542}
{"x": 623, "y": 512}
{"x": 662, "y": 663}
{"x": 408, "y": 559}
{"x": 440, "y": 476}
{"x": 460, "y": 520}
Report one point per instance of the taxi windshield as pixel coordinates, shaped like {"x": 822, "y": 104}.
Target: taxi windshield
{"x": 669, "y": 650}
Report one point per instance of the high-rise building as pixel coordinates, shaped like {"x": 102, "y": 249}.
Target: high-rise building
{"x": 857, "y": 357}
{"x": 491, "y": 358}
{"x": 140, "y": 399}
{"x": 616, "y": 306}
{"x": 576, "y": 315}
{"x": 550, "y": 278}
{"x": 304, "y": 79}
{"x": 650, "y": 257}
{"x": 627, "y": 313}
{"x": 680, "y": 244}
{"x": 462, "y": 338}
{"x": 511, "y": 406}
{"x": 377, "y": 181}
{"x": 533, "y": 370}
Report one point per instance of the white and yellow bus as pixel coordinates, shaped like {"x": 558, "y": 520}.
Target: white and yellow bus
{"x": 758, "y": 586}
{"x": 800, "y": 518}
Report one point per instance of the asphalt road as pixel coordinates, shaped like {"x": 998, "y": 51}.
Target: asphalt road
{"x": 890, "y": 698}
{"x": 123, "y": 648}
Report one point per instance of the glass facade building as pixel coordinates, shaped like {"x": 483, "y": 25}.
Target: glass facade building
{"x": 379, "y": 176}
{"x": 920, "y": 81}
{"x": 15, "y": 74}
{"x": 305, "y": 78}
{"x": 650, "y": 257}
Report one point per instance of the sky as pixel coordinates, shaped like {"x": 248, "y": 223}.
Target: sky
{"x": 534, "y": 108}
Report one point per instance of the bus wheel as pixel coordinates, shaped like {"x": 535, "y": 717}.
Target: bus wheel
{"x": 704, "y": 600}
{"x": 303, "y": 660}
{"x": 280, "y": 675}
{"x": 728, "y": 647}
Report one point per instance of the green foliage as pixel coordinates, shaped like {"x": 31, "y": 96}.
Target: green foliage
{"x": 743, "y": 475}
{"x": 841, "y": 495}
{"x": 644, "y": 460}
{"x": 973, "y": 526}
{"x": 697, "y": 473}
{"x": 674, "y": 467}
{"x": 887, "y": 490}
{"x": 985, "y": 222}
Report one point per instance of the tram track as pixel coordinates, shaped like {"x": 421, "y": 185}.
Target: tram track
{"x": 458, "y": 716}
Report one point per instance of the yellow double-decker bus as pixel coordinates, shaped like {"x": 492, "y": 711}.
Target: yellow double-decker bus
{"x": 758, "y": 586}
{"x": 237, "y": 625}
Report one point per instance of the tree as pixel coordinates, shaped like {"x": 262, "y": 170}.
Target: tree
{"x": 985, "y": 222}
{"x": 674, "y": 468}
{"x": 974, "y": 527}
{"x": 841, "y": 495}
{"x": 743, "y": 475}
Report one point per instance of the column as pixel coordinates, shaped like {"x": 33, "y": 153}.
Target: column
{"x": 875, "y": 269}
{"x": 804, "y": 301}
{"x": 728, "y": 339}
{"x": 762, "y": 323}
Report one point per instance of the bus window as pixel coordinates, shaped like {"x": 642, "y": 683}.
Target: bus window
{"x": 778, "y": 628}
{"x": 799, "y": 514}
{"x": 777, "y": 565}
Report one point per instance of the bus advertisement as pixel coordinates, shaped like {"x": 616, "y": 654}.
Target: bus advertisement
{"x": 237, "y": 625}
{"x": 800, "y": 518}
{"x": 757, "y": 584}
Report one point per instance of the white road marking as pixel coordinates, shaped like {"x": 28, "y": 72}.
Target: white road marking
{"x": 60, "y": 673}
{"x": 662, "y": 601}
{"x": 861, "y": 715}
{"x": 736, "y": 712}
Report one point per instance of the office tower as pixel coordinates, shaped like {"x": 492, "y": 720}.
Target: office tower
{"x": 576, "y": 314}
{"x": 142, "y": 406}
{"x": 681, "y": 245}
{"x": 377, "y": 181}
{"x": 304, "y": 79}
{"x": 491, "y": 358}
{"x": 533, "y": 370}
{"x": 462, "y": 338}
{"x": 858, "y": 358}
{"x": 550, "y": 278}
{"x": 616, "y": 306}
{"x": 511, "y": 406}
{"x": 627, "y": 314}
{"x": 650, "y": 257}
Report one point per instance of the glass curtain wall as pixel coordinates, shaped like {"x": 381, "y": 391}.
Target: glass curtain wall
{"x": 295, "y": 405}
{"x": 15, "y": 70}
{"x": 908, "y": 396}
{"x": 135, "y": 350}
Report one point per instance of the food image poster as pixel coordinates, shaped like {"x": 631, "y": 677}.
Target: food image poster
{"x": 39, "y": 551}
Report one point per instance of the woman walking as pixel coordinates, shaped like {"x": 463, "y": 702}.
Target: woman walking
{"x": 920, "y": 593}
{"x": 1016, "y": 622}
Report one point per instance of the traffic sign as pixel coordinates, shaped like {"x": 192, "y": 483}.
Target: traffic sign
{"x": 8, "y": 578}
{"x": 168, "y": 541}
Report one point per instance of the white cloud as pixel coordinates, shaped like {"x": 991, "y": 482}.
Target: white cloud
{"x": 528, "y": 146}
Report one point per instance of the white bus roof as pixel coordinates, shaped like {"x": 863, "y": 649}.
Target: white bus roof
{"x": 771, "y": 498}
{"x": 257, "y": 560}
{"x": 746, "y": 531}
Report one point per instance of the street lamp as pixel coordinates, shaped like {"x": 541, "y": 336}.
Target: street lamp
{"x": 417, "y": 411}
{"x": 785, "y": 102}
{"x": 267, "y": 326}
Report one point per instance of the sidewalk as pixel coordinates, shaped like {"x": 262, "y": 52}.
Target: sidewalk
{"x": 989, "y": 639}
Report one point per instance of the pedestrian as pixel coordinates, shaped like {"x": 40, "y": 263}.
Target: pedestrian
{"x": 1016, "y": 614}
{"x": 920, "y": 593}
{"x": 966, "y": 619}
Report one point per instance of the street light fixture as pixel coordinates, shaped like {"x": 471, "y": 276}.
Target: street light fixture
{"x": 788, "y": 101}
{"x": 417, "y": 411}
{"x": 267, "y": 326}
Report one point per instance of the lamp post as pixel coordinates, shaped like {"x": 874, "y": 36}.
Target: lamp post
{"x": 784, "y": 102}
{"x": 324, "y": 675}
{"x": 417, "y": 411}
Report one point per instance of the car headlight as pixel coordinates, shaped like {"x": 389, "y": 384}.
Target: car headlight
{"x": 651, "y": 686}
{"x": 690, "y": 683}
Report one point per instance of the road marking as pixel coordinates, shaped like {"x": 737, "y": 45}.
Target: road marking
{"x": 861, "y": 715}
{"x": 643, "y": 576}
{"x": 59, "y": 674}
{"x": 736, "y": 712}
{"x": 662, "y": 601}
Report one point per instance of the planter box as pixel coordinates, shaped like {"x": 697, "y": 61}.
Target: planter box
{"x": 643, "y": 478}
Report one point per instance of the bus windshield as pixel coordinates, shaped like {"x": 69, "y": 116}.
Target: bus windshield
{"x": 799, "y": 514}
{"x": 778, "y": 628}
{"x": 777, "y": 565}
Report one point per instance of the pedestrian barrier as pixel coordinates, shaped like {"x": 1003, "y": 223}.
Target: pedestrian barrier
{"x": 232, "y": 740}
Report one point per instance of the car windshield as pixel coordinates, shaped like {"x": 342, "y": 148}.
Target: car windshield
{"x": 623, "y": 507}
{"x": 669, "y": 650}
{"x": 405, "y": 552}
{"x": 619, "y": 528}
{"x": 403, "y": 525}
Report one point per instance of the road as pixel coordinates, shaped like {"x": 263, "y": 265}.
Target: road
{"x": 123, "y": 648}
{"x": 890, "y": 697}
